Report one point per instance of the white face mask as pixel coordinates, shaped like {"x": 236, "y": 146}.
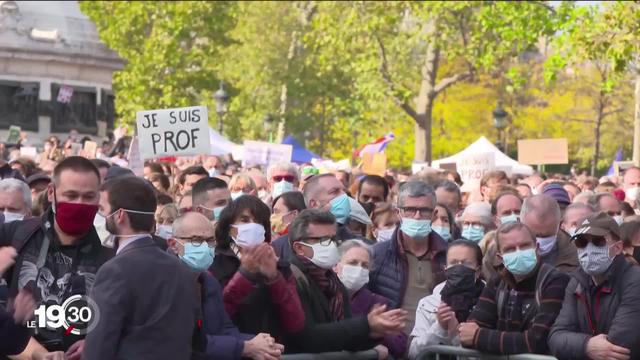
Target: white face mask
{"x": 324, "y": 257}
{"x": 632, "y": 193}
{"x": 546, "y": 244}
{"x": 618, "y": 219}
{"x": 354, "y": 277}
{"x": 236, "y": 194}
{"x": 11, "y": 216}
{"x": 164, "y": 231}
{"x": 106, "y": 238}
{"x": 385, "y": 234}
{"x": 249, "y": 235}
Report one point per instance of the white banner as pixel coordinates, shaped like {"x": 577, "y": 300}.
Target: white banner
{"x": 264, "y": 153}
{"x": 473, "y": 167}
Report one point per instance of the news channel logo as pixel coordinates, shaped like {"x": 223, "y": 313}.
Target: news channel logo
{"x": 78, "y": 315}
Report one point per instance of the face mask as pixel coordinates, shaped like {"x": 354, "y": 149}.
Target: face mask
{"x": 443, "y": 231}
{"x": 546, "y": 244}
{"x": 324, "y": 257}
{"x": 508, "y": 219}
{"x": 216, "y": 212}
{"x": 520, "y": 262}
{"x": 249, "y": 235}
{"x": 263, "y": 194}
{"x": 416, "y": 229}
{"x": 213, "y": 172}
{"x": 354, "y": 277}
{"x": 385, "y": 234}
{"x": 74, "y": 218}
{"x": 341, "y": 208}
{"x": 278, "y": 226}
{"x": 164, "y": 231}
{"x": 473, "y": 233}
{"x": 594, "y": 260}
{"x": 106, "y": 238}
{"x": 236, "y": 194}
{"x": 281, "y": 187}
{"x": 618, "y": 219}
{"x": 460, "y": 277}
{"x": 11, "y": 216}
{"x": 199, "y": 258}
{"x": 632, "y": 193}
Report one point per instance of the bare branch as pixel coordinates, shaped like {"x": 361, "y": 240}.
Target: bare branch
{"x": 615, "y": 111}
{"x": 384, "y": 70}
{"x": 448, "y": 81}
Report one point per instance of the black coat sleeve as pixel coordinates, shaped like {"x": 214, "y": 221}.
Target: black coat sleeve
{"x": 14, "y": 337}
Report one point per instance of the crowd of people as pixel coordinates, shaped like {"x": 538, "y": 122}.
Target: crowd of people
{"x": 200, "y": 258}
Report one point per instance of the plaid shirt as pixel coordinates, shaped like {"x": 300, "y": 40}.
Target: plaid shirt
{"x": 522, "y": 325}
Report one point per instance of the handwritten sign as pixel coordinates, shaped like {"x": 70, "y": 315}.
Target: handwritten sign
{"x": 264, "y": 153}
{"x": 543, "y": 151}
{"x": 176, "y": 132}
{"x": 374, "y": 164}
{"x": 90, "y": 148}
{"x": 14, "y": 134}
{"x": 473, "y": 167}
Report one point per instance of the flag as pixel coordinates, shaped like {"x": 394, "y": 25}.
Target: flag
{"x": 377, "y": 146}
{"x": 617, "y": 158}
{"x": 65, "y": 94}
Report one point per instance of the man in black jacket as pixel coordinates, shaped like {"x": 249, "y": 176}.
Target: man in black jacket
{"x": 600, "y": 310}
{"x": 325, "y": 301}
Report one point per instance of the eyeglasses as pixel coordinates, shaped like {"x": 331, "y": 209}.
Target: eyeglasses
{"x": 425, "y": 212}
{"x": 199, "y": 240}
{"x": 581, "y": 241}
{"x": 322, "y": 240}
{"x": 287, "y": 178}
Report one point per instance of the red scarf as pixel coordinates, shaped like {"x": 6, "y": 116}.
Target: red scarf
{"x": 330, "y": 285}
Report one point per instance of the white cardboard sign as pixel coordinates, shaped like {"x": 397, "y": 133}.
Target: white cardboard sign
{"x": 173, "y": 132}
{"x": 264, "y": 153}
{"x": 473, "y": 167}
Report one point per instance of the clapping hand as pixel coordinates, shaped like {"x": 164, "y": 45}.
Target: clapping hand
{"x": 384, "y": 323}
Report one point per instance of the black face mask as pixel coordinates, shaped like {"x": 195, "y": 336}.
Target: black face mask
{"x": 461, "y": 291}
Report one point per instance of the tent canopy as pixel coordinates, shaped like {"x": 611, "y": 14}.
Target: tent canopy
{"x": 219, "y": 144}
{"x": 299, "y": 154}
{"x": 482, "y": 145}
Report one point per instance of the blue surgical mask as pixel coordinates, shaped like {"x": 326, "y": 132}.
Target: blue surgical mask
{"x": 216, "y": 212}
{"x": 520, "y": 262}
{"x": 508, "y": 219}
{"x": 199, "y": 258}
{"x": 416, "y": 229}
{"x": 443, "y": 231}
{"x": 473, "y": 233}
{"x": 341, "y": 208}
{"x": 281, "y": 187}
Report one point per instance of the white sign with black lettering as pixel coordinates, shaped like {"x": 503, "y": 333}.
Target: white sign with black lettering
{"x": 175, "y": 132}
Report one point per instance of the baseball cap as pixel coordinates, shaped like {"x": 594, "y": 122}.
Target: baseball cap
{"x": 38, "y": 177}
{"x": 598, "y": 224}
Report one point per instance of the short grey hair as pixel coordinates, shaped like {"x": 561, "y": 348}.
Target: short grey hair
{"x": 450, "y": 186}
{"x": 283, "y": 166}
{"x": 509, "y": 227}
{"x": 414, "y": 189}
{"x": 11, "y": 184}
{"x": 481, "y": 210}
{"x": 578, "y": 206}
{"x": 543, "y": 205}
{"x": 355, "y": 243}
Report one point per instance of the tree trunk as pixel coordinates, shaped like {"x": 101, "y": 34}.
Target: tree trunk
{"x": 596, "y": 150}
{"x": 636, "y": 123}
{"x": 424, "y": 105}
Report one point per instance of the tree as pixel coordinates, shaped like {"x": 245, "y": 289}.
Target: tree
{"x": 398, "y": 49}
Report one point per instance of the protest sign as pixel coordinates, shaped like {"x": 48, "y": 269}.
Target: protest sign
{"x": 102, "y": 128}
{"x": 473, "y": 167}
{"x": 178, "y": 132}
{"x": 453, "y": 167}
{"x": 14, "y": 134}
{"x": 543, "y": 151}
{"x": 29, "y": 151}
{"x": 374, "y": 163}
{"x": 90, "y": 148}
{"x": 264, "y": 153}
{"x": 76, "y": 149}
{"x": 136, "y": 164}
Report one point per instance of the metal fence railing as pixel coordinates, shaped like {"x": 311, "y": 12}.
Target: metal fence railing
{"x": 341, "y": 355}
{"x": 434, "y": 352}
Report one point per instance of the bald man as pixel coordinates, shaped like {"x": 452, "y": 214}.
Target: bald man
{"x": 631, "y": 185}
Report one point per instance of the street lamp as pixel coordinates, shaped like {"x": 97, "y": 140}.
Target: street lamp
{"x": 268, "y": 125}
{"x": 500, "y": 122}
{"x": 222, "y": 104}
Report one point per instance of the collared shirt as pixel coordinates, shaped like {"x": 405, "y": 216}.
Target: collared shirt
{"x": 128, "y": 240}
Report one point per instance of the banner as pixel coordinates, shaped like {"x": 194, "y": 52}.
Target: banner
{"x": 90, "y": 149}
{"x": 264, "y": 153}
{"x": 543, "y": 151}
{"x": 473, "y": 167}
{"x": 177, "y": 132}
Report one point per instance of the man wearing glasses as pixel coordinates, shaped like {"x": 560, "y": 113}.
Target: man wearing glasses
{"x": 407, "y": 267}
{"x": 601, "y": 312}
{"x": 325, "y": 300}
{"x": 283, "y": 177}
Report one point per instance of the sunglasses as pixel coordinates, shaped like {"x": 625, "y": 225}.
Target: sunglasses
{"x": 287, "y": 178}
{"x": 581, "y": 241}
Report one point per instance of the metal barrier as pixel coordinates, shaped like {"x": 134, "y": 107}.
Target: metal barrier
{"x": 341, "y": 355}
{"x": 463, "y": 353}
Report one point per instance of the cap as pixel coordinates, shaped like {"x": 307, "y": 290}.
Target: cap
{"x": 38, "y": 177}
{"x": 558, "y": 193}
{"x": 598, "y": 224}
{"x": 358, "y": 213}
{"x": 116, "y": 171}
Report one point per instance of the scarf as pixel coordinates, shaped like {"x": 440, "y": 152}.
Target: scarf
{"x": 462, "y": 299}
{"x": 330, "y": 285}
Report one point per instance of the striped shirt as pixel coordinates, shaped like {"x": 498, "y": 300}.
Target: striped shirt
{"x": 523, "y": 324}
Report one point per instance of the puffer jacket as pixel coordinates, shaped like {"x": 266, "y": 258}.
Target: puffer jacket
{"x": 611, "y": 309}
{"x": 390, "y": 266}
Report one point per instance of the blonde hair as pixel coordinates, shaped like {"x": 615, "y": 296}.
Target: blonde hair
{"x": 244, "y": 177}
